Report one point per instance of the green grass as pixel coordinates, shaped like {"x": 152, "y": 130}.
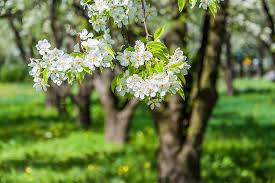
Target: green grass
{"x": 38, "y": 147}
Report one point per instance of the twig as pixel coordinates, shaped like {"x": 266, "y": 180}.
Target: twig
{"x": 125, "y": 36}
{"x": 144, "y": 20}
{"x": 79, "y": 44}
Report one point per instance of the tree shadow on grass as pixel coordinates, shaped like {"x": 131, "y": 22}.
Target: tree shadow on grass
{"x": 234, "y": 125}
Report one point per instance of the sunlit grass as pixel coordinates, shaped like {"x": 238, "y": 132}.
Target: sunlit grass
{"x": 36, "y": 146}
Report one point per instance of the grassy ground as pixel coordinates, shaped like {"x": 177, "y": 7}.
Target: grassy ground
{"x": 36, "y": 146}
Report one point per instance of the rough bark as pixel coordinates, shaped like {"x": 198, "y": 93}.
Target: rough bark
{"x": 180, "y": 144}
{"x": 177, "y": 163}
{"x": 117, "y": 120}
{"x": 228, "y": 68}
{"x": 270, "y": 24}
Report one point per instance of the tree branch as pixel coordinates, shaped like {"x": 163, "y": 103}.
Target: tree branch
{"x": 144, "y": 20}
{"x": 56, "y": 29}
{"x": 18, "y": 41}
{"x": 79, "y": 9}
{"x": 269, "y": 18}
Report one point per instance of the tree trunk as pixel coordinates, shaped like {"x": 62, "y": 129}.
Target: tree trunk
{"x": 241, "y": 71}
{"x": 118, "y": 123}
{"x": 117, "y": 120}
{"x": 180, "y": 143}
{"x": 270, "y": 24}
{"x": 83, "y": 103}
{"x": 55, "y": 97}
{"x": 261, "y": 62}
{"x": 177, "y": 162}
{"x": 228, "y": 69}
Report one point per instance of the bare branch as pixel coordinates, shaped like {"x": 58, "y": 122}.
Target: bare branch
{"x": 144, "y": 20}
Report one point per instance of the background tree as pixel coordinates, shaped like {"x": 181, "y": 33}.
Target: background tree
{"x": 180, "y": 143}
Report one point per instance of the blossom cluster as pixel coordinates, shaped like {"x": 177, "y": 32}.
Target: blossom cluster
{"x": 151, "y": 83}
{"x": 136, "y": 57}
{"x": 120, "y": 11}
{"x": 205, "y": 3}
{"x": 59, "y": 66}
{"x": 150, "y": 72}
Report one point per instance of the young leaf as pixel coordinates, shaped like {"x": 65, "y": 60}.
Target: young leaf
{"x": 113, "y": 85}
{"x": 175, "y": 65}
{"x": 158, "y": 33}
{"x": 181, "y": 93}
{"x": 213, "y": 8}
{"x": 110, "y": 51}
{"x": 159, "y": 67}
{"x": 115, "y": 82}
{"x": 70, "y": 76}
{"x": 45, "y": 72}
{"x": 149, "y": 68}
{"x": 193, "y": 3}
{"x": 154, "y": 45}
{"x": 78, "y": 54}
{"x": 160, "y": 55}
{"x": 181, "y": 77}
{"x": 86, "y": 69}
{"x": 181, "y": 4}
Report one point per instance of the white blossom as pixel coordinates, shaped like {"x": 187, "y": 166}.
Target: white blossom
{"x": 43, "y": 46}
{"x": 120, "y": 11}
{"x": 59, "y": 66}
{"x": 153, "y": 87}
{"x": 136, "y": 57}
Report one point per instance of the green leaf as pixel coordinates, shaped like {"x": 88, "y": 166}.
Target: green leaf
{"x": 70, "y": 76}
{"x": 115, "y": 82}
{"x": 160, "y": 55}
{"x": 132, "y": 69}
{"x": 45, "y": 72}
{"x": 149, "y": 68}
{"x": 80, "y": 76}
{"x": 87, "y": 1}
{"x": 130, "y": 48}
{"x": 112, "y": 65}
{"x": 86, "y": 69}
{"x": 110, "y": 51}
{"x": 213, "y": 8}
{"x": 158, "y": 49}
{"x": 158, "y": 33}
{"x": 159, "y": 67}
{"x": 175, "y": 65}
{"x": 182, "y": 78}
{"x": 156, "y": 45}
{"x": 181, "y": 93}
{"x": 181, "y": 4}
{"x": 78, "y": 54}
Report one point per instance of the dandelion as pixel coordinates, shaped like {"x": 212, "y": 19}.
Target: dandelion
{"x": 123, "y": 169}
{"x": 28, "y": 170}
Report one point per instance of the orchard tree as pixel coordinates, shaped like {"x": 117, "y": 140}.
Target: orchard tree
{"x": 29, "y": 20}
{"x": 267, "y": 7}
{"x": 148, "y": 72}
